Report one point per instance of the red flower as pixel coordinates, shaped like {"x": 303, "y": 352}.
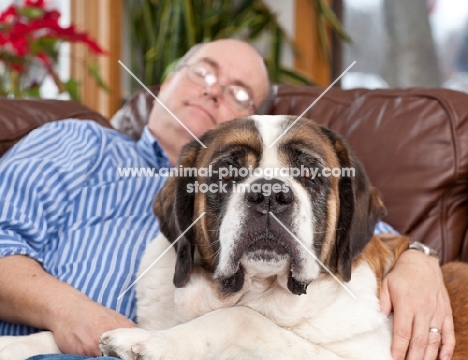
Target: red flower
{"x": 44, "y": 27}
{"x": 53, "y": 14}
{"x": 35, "y": 3}
{"x": 30, "y": 33}
{"x": 8, "y": 15}
{"x": 21, "y": 47}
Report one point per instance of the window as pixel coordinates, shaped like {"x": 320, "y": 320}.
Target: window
{"x": 413, "y": 43}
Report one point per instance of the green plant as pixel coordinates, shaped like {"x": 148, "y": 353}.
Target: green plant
{"x": 161, "y": 31}
{"x": 326, "y": 19}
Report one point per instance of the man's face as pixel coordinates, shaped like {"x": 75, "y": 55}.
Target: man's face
{"x": 200, "y": 107}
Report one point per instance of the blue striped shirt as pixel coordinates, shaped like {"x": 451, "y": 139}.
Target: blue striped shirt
{"x": 383, "y": 228}
{"x": 64, "y": 204}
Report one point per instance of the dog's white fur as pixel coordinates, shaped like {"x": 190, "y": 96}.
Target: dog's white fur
{"x": 23, "y": 347}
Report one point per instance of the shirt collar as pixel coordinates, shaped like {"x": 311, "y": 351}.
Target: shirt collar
{"x": 153, "y": 153}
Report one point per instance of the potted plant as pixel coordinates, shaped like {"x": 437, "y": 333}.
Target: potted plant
{"x": 162, "y": 31}
{"x": 30, "y": 36}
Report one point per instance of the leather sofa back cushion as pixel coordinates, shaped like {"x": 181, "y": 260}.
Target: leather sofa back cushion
{"x": 19, "y": 116}
{"x": 414, "y": 146}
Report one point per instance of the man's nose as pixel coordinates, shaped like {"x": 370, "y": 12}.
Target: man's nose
{"x": 213, "y": 92}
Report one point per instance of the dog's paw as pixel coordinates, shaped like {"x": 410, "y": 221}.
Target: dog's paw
{"x": 137, "y": 344}
{"x": 119, "y": 342}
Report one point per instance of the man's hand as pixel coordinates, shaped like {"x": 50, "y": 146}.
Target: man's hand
{"x": 33, "y": 297}
{"x": 79, "y": 329}
{"x": 415, "y": 291}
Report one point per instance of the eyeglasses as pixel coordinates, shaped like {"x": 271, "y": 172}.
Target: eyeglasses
{"x": 205, "y": 74}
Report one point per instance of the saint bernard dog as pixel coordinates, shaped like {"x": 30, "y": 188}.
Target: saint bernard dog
{"x": 281, "y": 266}
{"x": 288, "y": 274}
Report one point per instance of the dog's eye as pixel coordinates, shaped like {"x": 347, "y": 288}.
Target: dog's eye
{"x": 228, "y": 170}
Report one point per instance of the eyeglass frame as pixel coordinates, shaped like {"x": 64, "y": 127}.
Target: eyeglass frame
{"x": 215, "y": 67}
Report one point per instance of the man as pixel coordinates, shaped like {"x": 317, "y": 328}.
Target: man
{"x": 68, "y": 221}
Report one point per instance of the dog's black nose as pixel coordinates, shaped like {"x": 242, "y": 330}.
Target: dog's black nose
{"x": 269, "y": 195}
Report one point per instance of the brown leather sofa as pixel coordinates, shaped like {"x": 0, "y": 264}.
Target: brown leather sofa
{"x": 413, "y": 143}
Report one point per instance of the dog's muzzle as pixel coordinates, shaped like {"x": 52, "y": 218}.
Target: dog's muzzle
{"x": 263, "y": 239}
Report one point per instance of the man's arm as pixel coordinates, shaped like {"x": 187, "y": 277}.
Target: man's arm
{"x": 30, "y": 296}
{"x": 34, "y": 188}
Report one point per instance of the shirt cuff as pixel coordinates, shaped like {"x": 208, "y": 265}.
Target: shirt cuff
{"x": 384, "y": 228}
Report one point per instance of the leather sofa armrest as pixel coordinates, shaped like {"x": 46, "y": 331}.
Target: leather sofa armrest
{"x": 20, "y": 116}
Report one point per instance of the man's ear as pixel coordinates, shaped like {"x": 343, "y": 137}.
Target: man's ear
{"x": 174, "y": 207}
{"x": 360, "y": 208}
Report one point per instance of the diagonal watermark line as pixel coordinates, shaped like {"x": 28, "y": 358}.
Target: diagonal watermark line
{"x": 162, "y": 104}
{"x": 315, "y": 101}
{"x": 313, "y": 255}
{"x": 160, "y": 256}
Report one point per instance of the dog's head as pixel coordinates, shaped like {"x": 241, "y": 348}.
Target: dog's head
{"x": 270, "y": 206}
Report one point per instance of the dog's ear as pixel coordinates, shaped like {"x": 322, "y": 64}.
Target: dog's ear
{"x": 174, "y": 207}
{"x": 360, "y": 208}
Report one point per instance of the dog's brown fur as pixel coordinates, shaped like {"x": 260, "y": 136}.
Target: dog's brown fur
{"x": 456, "y": 282}
{"x": 381, "y": 254}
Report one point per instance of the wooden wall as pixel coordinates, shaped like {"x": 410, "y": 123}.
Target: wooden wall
{"x": 310, "y": 60}
{"x": 102, "y": 20}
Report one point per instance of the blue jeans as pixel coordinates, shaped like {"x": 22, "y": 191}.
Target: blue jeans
{"x": 68, "y": 357}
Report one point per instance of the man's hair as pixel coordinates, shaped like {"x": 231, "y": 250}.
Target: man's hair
{"x": 184, "y": 59}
